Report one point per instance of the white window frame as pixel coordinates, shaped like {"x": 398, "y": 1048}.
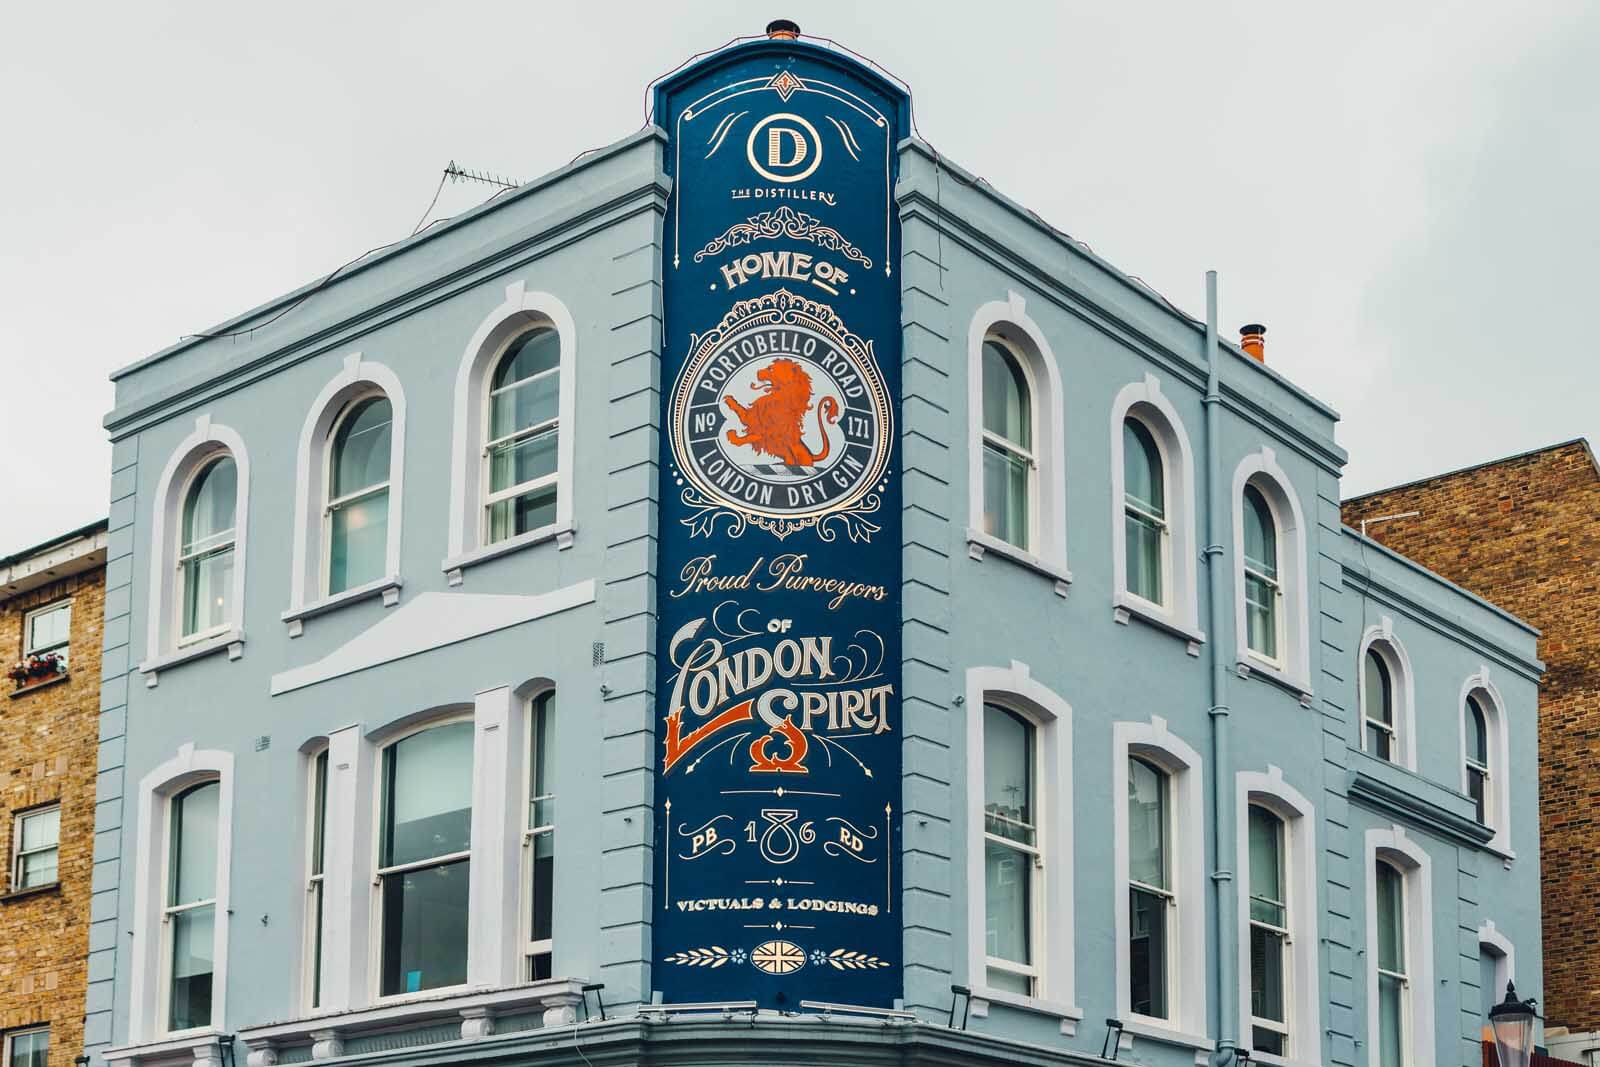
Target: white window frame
{"x": 1009, "y": 448}
{"x": 1014, "y": 688}
{"x": 63, "y": 647}
{"x": 486, "y": 457}
{"x": 520, "y": 311}
{"x": 11, "y": 1036}
{"x": 1037, "y": 861}
{"x": 1302, "y": 997}
{"x": 375, "y": 940}
{"x": 530, "y": 947}
{"x": 1186, "y": 981}
{"x": 314, "y": 939}
{"x": 1394, "y": 847}
{"x": 1145, "y": 402}
{"x": 17, "y": 853}
{"x": 1497, "y": 798}
{"x": 1007, "y": 321}
{"x": 1292, "y": 664}
{"x": 150, "y": 962}
{"x": 358, "y": 379}
{"x": 165, "y": 639}
{"x": 170, "y": 911}
{"x": 226, "y": 540}
{"x": 1382, "y": 639}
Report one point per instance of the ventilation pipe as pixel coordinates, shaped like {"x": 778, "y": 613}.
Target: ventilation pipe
{"x": 783, "y": 30}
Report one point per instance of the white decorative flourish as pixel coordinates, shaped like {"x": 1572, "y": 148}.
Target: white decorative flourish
{"x": 783, "y": 221}
{"x": 846, "y": 960}
{"x": 712, "y": 957}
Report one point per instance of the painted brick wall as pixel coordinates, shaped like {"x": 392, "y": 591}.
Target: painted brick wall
{"x": 47, "y": 754}
{"x": 1524, "y": 533}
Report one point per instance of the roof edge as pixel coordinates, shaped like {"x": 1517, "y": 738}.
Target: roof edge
{"x": 1469, "y": 468}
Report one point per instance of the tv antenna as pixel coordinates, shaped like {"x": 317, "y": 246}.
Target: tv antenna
{"x": 457, "y": 173}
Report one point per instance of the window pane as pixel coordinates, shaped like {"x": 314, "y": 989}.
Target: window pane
{"x": 1147, "y": 824}
{"x": 522, "y": 406}
{"x": 1007, "y": 408}
{"x": 518, "y": 515}
{"x": 209, "y": 510}
{"x": 193, "y": 870}
{"x": 31, "y": 1049}
{"x": 319, "y": 810}
{"x": 1266, "y": 867}
{"x": 1147, "y": 953}
{"x": 41, "y": 829}
{"x": 1260, "y": 534}
{"x": 522, "y": 460}
{"x": 428, "y": 794}
{"x": 539, "y": 967}
{"x": 316, "y": 946}
{"x": 359, "y": 542}
{"x": 361, "y": 449}
{"x": 1391, "y": 1022}
{"x": 1266, "y": 975}
{"x": 191, "y": 968}
{"x": 207, "y": 587}
{"x": 1143, "y": 557}
{"x": 1261, "y": 616}
{"x": 533, "y": 353}
{"x": 49, "y": 628}
{"x": 1007, "y": 774}
{"x": 1271, "y": 1041}
{"x": 1143, "y": 482}
{"x": 544, "y": 864}
{"x": 1477, "y": 789}
{"x": 1010, "y": 981}
{"x": 38, "y": 868}
{"x": 1005, "y": 495}
{"x": 1378, "y": 742}
{"x": 1007, "y": 902}
{"x": 541, "y": 804}
{"x": 425, "y": 928}
{"x": 1378, "y": 690}
{"x": 1488, "y": 993}
{"x": 1391, "y": 919}
{"x": 1477, "y": 733}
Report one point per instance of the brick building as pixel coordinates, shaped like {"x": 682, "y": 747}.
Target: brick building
{"x": 52, "y": 610}
{"x": 1524, "y": 533}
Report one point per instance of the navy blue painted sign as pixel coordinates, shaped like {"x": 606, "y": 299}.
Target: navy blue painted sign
{"x": 778, "y": 659}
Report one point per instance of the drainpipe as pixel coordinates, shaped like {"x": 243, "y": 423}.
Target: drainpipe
{"x": 1224, "y": 826}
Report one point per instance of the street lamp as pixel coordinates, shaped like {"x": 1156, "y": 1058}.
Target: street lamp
{"x": 1512, "y": 1021}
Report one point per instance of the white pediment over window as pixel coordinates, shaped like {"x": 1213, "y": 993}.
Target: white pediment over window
{"x": 429, "y": 621}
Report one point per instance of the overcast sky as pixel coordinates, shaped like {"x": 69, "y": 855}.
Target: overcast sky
{"x": 1404, "y": 193}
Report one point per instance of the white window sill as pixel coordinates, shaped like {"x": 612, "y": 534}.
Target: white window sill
{"x": 187, "y": 1047}
{"x": 1125, "y": 606}
{"x": 1281, "y": 1061}
{"x": 980, "y": 544}
{"x": 476, "y": 1008}
{"x": 388, "y": 588}
{"x": 561, "y": 533}
{"x": 229, "y": 641}
{"x": 1155, "y": 1030}
{"x": 1251, "y": 665}
{"x": 1069, "y": 1016}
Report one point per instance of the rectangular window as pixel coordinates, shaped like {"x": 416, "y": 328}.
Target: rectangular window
{"x": 316, "y": 882}
{"x": 38, "y": 838}
{"x": 1261, "y": 614}
{"x": 1012, "y": 855}
{"x": 28, "y": 1048}
{"x": 190, "y": 912}
{"x": 1150, "y": 896}
{"x": 539, "y": 839}
{"x": 1393, "y": 982}
{"x": 1006, "y": 477}
{"x": 1269, "y": 934}
{"x": 48, "y": 630}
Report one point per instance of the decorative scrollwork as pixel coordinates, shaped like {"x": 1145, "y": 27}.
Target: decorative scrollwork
{"x": 712, "y": 957}
{"x": 783, "y": 221}
{"x": 847, "y": 960}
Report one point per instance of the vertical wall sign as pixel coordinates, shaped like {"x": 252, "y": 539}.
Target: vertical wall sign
{"x": 777, "y": 855}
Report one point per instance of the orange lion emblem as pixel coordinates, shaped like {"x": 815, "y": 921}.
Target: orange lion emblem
{"x": 774, "y": 423}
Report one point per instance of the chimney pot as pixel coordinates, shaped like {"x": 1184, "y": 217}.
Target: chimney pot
{"x": 1253, "y": 339}
{"x": 783, "y": 30}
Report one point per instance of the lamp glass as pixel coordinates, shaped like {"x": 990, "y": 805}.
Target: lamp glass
{"x": 1513, "y": 1036}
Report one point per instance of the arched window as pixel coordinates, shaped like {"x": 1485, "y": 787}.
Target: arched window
{"x": 206, "y": 550}
{"x": 1270, "y": 963}
{"x": 424, "y": 853}
{"x": 1262, "y": 587}
{"x": 356, "y": 513}
{"x": 1009, "y": 506}
{"x": 1151, "y": 899}
{"x": 1013, "y": 857}
{"x": 1393, "y": 974}
{"x": 521, "y": 449}
{"x": 1478, "y": 782}
{"x": 539, "y": 836}
{"x": 190, "y": 909}
{"x": 1144, "y": 495}
{"x": 1378, "y": 706}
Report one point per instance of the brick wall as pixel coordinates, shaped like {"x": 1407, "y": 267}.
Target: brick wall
{"x": 48, "y": 742}
{"x": 1524, "y": 533}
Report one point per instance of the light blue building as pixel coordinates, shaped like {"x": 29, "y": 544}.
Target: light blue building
{"x": 379, "y": 724}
